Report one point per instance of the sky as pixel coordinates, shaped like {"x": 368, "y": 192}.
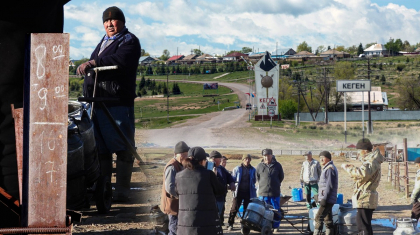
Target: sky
{"x": 219, "y": 26}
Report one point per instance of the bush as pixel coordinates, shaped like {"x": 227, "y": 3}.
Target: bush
{"x": 312, "y": 127}
{"x": 287, "y": 108}
{"x": 400, "y": 67}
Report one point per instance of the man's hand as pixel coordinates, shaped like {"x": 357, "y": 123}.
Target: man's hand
{"x": 323, "y": 202}
{"x": 413, "y": 201}
{"x": 81, "y": 70}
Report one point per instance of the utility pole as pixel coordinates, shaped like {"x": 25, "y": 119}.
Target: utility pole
{"x": 326, "y": 82}
{"x": 167, "y": 97}
{"x": 368, "y": 76}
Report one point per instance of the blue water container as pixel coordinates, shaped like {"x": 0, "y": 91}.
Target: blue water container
{"x": 297, "y": 194}
{"x": 339, "y": 199}
{"x": 241, "y": 210}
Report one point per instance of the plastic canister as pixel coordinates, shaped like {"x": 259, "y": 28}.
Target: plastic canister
{"x": 312, "y": 214}
{"x": 339, "y": 199}
{"x": 255, "y": 211}
{"x": 406, "y": 226}
{"x": 297, "y": 194}
{"x": 347, "y": 219}
{"x": 241, "y": 210}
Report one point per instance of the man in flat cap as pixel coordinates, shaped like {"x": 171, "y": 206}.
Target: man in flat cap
{"x": 415, "y": 195}
{"x": 244, "y": 176}
{"x": 309, "y": 177}
{"x": 122, "y": 48}
{"x": 367, "y": 178}
{"x": 328, "y": 186}
{"x": 224, "y": 178}
{"x": 169, "y": 202}
{"x": 269, "y": 174}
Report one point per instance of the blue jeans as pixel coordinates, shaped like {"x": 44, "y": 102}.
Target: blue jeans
{"x": 220, "y": 206}
{"x": 275, "y": 202}
{"x": 107, "y": 138}
{"x": 173, "y": 223}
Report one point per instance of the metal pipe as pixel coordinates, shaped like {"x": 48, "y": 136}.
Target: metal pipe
{"x": 18, "y": 230}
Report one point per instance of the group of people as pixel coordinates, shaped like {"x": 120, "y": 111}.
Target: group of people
{"x": 194, "y": 196}
{"x": 321, "y": 181}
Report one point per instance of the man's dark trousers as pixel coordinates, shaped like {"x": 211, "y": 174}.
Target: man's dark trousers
{"x": 415, "y": 212}
{"x": 324, "y": 216}
{"x": 173, "y": 223}
{"x": 364, "y": 221}
{"x": 236, "y": 203}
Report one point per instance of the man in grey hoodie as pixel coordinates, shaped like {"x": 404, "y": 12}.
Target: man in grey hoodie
{"x": 328, "y": 185}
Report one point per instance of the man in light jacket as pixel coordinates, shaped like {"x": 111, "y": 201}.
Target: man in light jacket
{"x": 328, "y": 186}
{"x": 309, "y": 177}
{"x": 269, "y": 175}
{"x": 367, "y": 178}
{"x": 244, "y": 176}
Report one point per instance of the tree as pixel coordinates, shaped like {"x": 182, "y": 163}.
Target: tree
{"x": 352, "y": 50}
{"x": 409, "y": 90}
{"x": 287, "y": 108}
{"x": 339, "y": 48}
{"x": 230, "y": 52}
{"x": 370, "y": 44}
{"x": 329, "y": 48}
{"x": 304, "y": 47}
{"x": 197, "y": 52}
{"x": 320, "y": 49}
{"x": 246, "y": 50}
{"x": 360, "y": 49}
{"x": 142, "y": 83}
{"x": 342, "y": 71}
{"x": 165, "y": 55}
{"x": 142, "y": 52}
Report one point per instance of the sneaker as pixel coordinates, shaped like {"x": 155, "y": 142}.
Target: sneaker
{"x": 230, "y": 227}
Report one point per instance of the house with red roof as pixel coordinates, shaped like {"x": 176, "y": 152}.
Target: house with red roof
{"x": 174, "y": 59}
{"x": 234, "y": 56}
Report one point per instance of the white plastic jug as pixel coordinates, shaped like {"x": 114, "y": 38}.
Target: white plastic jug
{"x": 312, "y": 214}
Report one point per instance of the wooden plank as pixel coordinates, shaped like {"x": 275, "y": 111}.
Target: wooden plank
{"x": 45, "y": 131}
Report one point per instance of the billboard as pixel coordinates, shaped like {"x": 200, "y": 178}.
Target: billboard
{"x": 210, "y": 86}
{"x": 267, "y": 84}
{"x": 353, "y": 85}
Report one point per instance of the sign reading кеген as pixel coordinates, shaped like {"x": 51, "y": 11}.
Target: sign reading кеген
{"x": 353, "y": 85}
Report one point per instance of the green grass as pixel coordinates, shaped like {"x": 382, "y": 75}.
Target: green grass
{"x": 159, "y": 123}
{"x": 237, "y": 77}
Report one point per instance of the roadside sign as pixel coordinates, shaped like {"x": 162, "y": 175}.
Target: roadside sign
{"x": 272, "y": 102}
{"x": 353, "y": 85}
{"x": 271, "y": 113}
{"x": 271, "y": 107}
{"x": 262, "y": 106}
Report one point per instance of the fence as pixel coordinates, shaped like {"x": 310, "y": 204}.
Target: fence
{"x": 396, "y": 167}
{"x": 357, "y": 116}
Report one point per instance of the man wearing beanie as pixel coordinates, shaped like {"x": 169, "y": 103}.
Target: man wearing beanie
{"x": 415, "y": 195}
{"x": 328, "y": 186}
{"x": 122, "y": 48}
{"x": 269, "y": 174}
{"x": 244, "y": 176}
{"x": 224, "y": 178}
{"x": 367, "y": 178}
{"x": 169, "y": 202}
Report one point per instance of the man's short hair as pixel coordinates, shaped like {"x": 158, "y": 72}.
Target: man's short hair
{"x": 266, "y": 152}
{"x": 224, "y": 158}
{"x": 325, "y": 154}
{"x": 307, "y": 153}
{"x": 113, "y": 13}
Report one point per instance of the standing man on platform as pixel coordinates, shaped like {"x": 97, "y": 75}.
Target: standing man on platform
{"x": 309, "y": 177}
{"x": 269, "y": 175}
{"x": 367, "y": 178}
{"x": 122, "y": 48}
{"x": 328, "y": 187}
{"x": 169, "y": 202}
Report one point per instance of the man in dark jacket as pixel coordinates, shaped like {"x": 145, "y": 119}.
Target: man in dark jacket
{"x": 224, "y": 178}
{"x": 269, "y": 175}
{"x": 169, "y": 198}
{"x": 122, "y": 48}
{"x": 328, "y": 186}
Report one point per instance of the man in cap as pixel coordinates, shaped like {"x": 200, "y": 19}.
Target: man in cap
{"x": 367, "y": 178}
{"x": 169, "y": 199}
{"x": 328, "y": 186}
{"x": 309, "y": 177}
{"x": 269, "y": 174}
{"x": 415, "y": 195}
{"x": 122, "y": 48}
{"x": 224, "y": 178}
{"x": 244, "y": 176}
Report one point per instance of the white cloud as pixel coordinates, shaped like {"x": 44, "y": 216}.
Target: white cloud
{"x": 217, "y": 26}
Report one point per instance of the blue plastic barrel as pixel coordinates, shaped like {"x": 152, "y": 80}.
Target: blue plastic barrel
{"x": 339, "y": 199}
{"x": 297, "y": 194}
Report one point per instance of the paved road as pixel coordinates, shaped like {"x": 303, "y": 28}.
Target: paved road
{"x": 207, "y": 130}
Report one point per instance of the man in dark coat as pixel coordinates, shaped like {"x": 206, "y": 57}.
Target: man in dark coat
{"x": 328, "y": 186}
{"x": 269, "y": 175}
{"x": 16, "y": 21}
{"x": 122, "y": 48}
